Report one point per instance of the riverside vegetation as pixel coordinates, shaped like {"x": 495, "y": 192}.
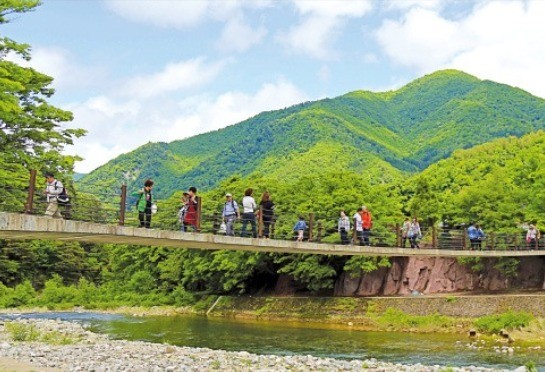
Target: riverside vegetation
{"x": 343, "y": 312}
{"x": 446, "y": 146}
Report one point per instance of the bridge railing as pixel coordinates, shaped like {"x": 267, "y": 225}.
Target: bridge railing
{"x": 110, "y": 205}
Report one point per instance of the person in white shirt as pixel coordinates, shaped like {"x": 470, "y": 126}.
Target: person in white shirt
{"x": 249, "y": 207}
{"x": 344, "y": 227}
{"x": 358, "y": 225}
{"x": 52, "y": 190}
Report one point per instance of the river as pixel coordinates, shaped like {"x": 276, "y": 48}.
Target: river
{"x": 288, "y": 339}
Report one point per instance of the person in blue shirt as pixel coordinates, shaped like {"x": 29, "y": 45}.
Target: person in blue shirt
{"x": 230, "y": 214}
{"x": 476, "y": 235}
{"x": 300, "y": 227}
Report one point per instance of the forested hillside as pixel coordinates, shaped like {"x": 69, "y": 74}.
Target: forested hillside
{"x": 401, "y": 131}
{"x": 405, "y": 152}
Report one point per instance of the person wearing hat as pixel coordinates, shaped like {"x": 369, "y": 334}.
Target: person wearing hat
{"x": 532, "y": 237}
{"x": 230, "y": 214}
{"x": 52, "y": 190}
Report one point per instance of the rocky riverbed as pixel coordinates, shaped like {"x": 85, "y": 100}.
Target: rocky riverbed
{"x": 55, "y": 345}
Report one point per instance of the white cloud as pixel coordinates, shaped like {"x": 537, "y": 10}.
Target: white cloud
{"x": 60, "y": 64}
{"x": 174, "y": 77}
{"x": 233, "y": 107}
{"x": 312, "y": 37}
{"x": 164, "y": 13}
{"x": 415, "y": 40}
{"x": 239, "y": 36}
{"x": 182, "y": 13}
{"x": 498, "y": 40}
{"x": 320, "y": 25}
{"x": 408, "y": 4}
{"x": 116, "y": 126}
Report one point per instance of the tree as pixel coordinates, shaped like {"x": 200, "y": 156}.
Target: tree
{"x": 31, "y": 132}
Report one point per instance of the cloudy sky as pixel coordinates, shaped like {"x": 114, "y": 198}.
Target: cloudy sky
{"x": 134, "y": 71}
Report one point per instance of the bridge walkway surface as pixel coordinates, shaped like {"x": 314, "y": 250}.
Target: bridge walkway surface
{"x": 18, "y": 226}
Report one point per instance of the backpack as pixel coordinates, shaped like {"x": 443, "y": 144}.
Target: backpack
{"x": 232, "y": 203}
{"x": 63, "y": 197}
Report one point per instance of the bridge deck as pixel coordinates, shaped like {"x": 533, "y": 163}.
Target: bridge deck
{"x": 23, "y": 227}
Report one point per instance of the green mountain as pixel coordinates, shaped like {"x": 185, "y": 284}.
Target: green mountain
{"x": 382, "y": 136}
{"x": 500, "y": 184}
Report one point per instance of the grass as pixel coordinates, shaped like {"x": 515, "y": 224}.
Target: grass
{"x": 397, "y": 320}
{"x": 508, "y": 321}
{"x": 22, "y": 332}
{"x": 28, "y": 333}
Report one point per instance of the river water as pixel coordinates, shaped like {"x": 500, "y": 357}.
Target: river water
{"x": 288, "y": 339}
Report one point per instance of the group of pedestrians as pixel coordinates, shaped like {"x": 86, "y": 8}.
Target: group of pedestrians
{"x": 410, "y": 230}
{"x": 250, "y": 214}
{"x": 363, "y": 223}
{"x": 362, "y": 219}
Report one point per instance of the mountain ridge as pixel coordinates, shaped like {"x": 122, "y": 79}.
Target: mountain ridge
{"x": 408, "y": 128}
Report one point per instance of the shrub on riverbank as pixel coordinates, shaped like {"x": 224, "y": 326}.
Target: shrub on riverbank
{"x": 507, "y": 321}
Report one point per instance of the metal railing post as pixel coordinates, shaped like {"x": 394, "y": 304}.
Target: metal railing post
{"x": 464, "y": 239}
{"x": 29, "y": 206}
{"x": 122, "y": 205}
{"x": 310, "y": 225}
{"x": 199, "y": 212}
{"x": 260, "y": 222}
{"x": 354, "y": 232}
{"x": 398, "y": 235}
{"x": 434, "y": 236}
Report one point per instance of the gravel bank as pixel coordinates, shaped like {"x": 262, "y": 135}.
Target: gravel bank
{"x": 65, "y": 346}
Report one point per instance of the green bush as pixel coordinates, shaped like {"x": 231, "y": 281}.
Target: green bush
{"x": 23, "y": 294}
{"x": 22, "y": 332}
{"x": 142, "y": 282}
{"x": 397, "y": 319}
{"x": 55, "y": 292}
{"x": 182, "y": 297}
{"x": 507, "y": 321}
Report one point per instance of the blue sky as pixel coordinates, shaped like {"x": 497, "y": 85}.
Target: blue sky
{"x": 134, "y": 71}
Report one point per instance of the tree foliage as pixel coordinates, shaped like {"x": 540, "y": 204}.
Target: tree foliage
{"x": 31, "y": 131}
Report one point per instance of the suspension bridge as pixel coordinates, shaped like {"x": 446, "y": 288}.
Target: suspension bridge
{"x": 21, "y": 218}
{"x": 20, "y": 226}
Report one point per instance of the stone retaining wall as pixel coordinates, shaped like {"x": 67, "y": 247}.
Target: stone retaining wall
{"x": 333, "y": 309}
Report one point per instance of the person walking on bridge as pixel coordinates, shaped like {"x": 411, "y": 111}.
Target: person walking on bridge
{"x": 53, "y": 189}
{"x": 191, "y": 211}
{"x": 230, "y": 214}
{"x": 144, "y": 203}
{"x": 248, "y": 214}
{"x": 266, "y": 208}
{"x": 414, "y": 233}
{"x": 358, "y": 229}
{"x": 532, "y": 237}
{"x": 366, "y": 224}
{"x": 344, "y": 227}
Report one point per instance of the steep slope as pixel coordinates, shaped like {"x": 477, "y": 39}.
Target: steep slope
{"x": 399, "y": 132}
{"x": 500, "y": 184}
